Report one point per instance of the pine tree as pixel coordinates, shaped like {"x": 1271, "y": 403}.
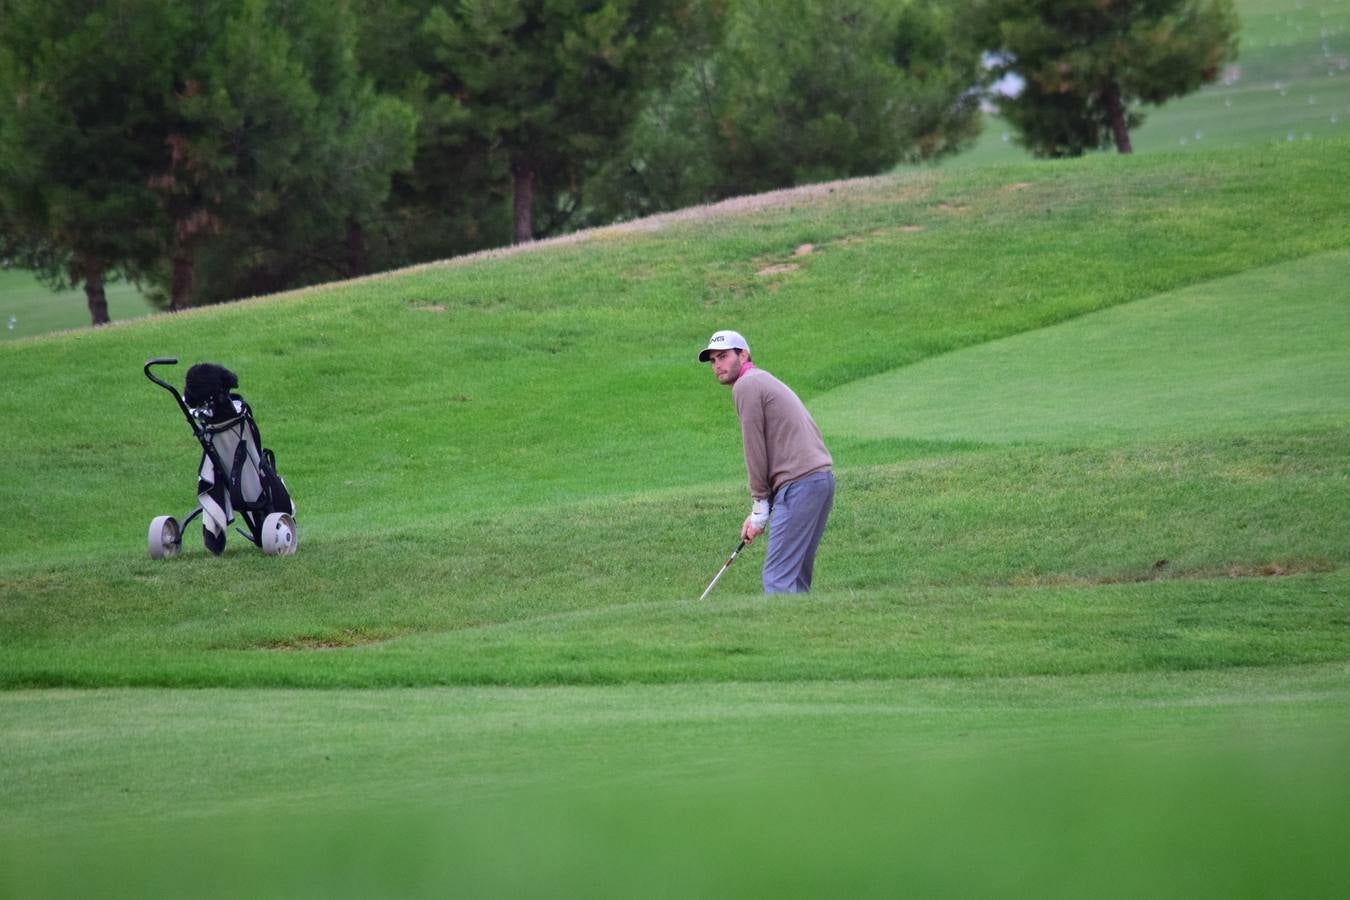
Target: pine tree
{"x": 286, "y": 151}
{"x": 1088, "y": 65}
{"x": 137, "y": 134}
{"x": 815, "y": 90}
{"x": 82, "y": 87}
{"x": 548, "y": 87}
{"x": 772, "y": 93}
{"x": 450, "y": 201}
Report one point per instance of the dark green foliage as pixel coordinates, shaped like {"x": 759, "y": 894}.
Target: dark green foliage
{"x": 138, "y": 134}
{"x": 776, "y": 94}
{"x": 83, "y": 90}
{"x": 667, "y": 159}
{"x": 23, "y": 249}
{"x": 280, "y": 150}
{"x": 548, "y": 88}
{"x": 298, "y": 146}
{"x": 1088, "y": 65}
{"x": 814, "y": 91}
{"x": 452, "y": 199}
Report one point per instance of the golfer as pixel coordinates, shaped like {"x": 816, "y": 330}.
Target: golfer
{"x": 791, "y": 480}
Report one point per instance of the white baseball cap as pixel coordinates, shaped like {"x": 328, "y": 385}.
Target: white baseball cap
{"x": 724, "y": 340}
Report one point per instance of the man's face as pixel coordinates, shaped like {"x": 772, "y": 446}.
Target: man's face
{"x": 726, "y": 364}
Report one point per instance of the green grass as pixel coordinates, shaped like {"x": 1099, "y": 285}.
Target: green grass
{"x": 1179, "y": 785}
{"x": 1227, "y": 356}
{"x": 1083, "y": 598}
{"x": 29, "y": 308}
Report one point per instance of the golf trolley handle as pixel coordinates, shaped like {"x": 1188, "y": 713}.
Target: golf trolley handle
{"x": 182, "y": 404}
{"x": 160, "y": 361}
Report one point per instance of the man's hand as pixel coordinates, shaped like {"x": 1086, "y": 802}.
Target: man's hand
{"x": 749, "y": 531}
{"x": 756, "y": 522}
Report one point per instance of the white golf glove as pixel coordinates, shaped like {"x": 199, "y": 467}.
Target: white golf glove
{"x": 759, "y": 514}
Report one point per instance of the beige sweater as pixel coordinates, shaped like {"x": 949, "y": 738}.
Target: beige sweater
{"x": 782, "y": 442}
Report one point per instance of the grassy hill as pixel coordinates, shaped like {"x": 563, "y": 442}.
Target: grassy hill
{"x": 1083, "y": 599}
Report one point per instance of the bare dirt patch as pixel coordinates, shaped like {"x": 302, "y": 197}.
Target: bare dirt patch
{"x": 1161, "y": 570}
{"x": 779, "y": 269}
{"x": 343, "y": 641}
{"x": 1270, "y": 570}
{"x": 887, "y": 232}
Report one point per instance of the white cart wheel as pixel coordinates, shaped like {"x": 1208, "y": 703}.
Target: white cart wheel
{"x": 279, "y": 537}
{"x": 164, "y": 537}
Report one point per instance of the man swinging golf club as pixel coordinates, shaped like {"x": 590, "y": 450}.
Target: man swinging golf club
{"x": 791, "y": 480}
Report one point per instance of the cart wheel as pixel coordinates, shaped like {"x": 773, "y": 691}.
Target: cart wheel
{"x": 164, "y": 537}
{"x": 279, "y": 537}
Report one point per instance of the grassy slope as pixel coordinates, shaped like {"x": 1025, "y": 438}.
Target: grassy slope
{"x": 513, "y": 473}
{"x": 1226, "y": 356}
{"x": 434, "y": 452}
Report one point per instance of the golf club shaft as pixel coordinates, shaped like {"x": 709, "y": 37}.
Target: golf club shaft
{"x": 712, "y": 584}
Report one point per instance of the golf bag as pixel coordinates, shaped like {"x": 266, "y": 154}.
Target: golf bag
{"x": 237, "y": 474}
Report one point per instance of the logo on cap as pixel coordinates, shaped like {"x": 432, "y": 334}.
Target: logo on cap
{"x": 725, "y": 338}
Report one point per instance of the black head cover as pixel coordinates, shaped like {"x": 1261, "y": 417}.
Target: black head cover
{"x": 209, "y": 385}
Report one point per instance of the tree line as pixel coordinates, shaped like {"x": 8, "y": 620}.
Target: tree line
{"x": 215, "y": 149}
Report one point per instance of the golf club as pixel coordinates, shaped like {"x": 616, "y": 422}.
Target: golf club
{"x": 730, "y": 559}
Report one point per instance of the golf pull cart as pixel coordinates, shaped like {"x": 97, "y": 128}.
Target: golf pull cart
{"x": 237, "y": 474}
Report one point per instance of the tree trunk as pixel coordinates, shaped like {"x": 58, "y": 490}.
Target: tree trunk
{"x": 94, "y": 294}
{"x": 358, "y": 260}
{"x": 180, "y": 294}
{"x": 523, "y": 175}
{"x": 1115, "y": 112}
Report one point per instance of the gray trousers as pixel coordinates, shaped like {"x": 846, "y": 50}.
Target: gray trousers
{"x": 800, "y": 510}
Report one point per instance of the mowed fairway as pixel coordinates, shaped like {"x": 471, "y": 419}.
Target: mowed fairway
{"x": 1082, "y": 617}
{"x": 1230, "y": 356}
